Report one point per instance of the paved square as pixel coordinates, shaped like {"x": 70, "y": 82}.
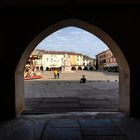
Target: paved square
{"x": 47, "y": 95}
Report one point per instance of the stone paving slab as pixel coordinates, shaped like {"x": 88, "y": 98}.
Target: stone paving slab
{"x": 60, "y": 105}
{"x": 62, "y": 134}
{"x": 38, "y": 127}
{"x": 88, "y": 123}
{"x": 125, "y": 124}
{"x": 59, "y": 100}
{"x": 105, "y": 138}
{"x": 53, "y": 105}
{"x": 24, "y": 132}
{"x": 101, "y": 132}
{"x": 63, "y": 123}
{"x": 94, "y": 109}
{"x": 50, "y": 111}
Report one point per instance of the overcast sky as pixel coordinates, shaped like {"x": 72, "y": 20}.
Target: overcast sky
{"x": 73, "y": 39}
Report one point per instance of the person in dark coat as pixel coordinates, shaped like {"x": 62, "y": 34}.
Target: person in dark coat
{"x": 83, "y": 79}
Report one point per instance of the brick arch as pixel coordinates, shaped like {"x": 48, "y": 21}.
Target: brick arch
{"x": 124, "y": 72}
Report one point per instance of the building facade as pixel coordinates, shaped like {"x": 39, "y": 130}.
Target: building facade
{"x": 106, "y": 60}
{"x": 50, "y": 60}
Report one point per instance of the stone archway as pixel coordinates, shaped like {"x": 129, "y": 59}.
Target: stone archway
{"x": 79, "y": 68}
{"x": 73, "y": 68}
{"x": 85, "y": 68}
{"x": 124, "y": 72}
{"x": 47, "y": 69}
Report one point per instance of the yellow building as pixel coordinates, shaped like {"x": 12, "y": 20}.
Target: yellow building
{"x": 75, "y": 58}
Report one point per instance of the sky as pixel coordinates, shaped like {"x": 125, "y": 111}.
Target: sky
{"x": 73, "y": 39}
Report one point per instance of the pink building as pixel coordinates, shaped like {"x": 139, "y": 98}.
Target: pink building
{"x": 106, "y": 60}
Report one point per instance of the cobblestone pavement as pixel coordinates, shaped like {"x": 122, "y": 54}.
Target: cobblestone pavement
{"x": 98, "y": 83}
{"x": 48, "y": 95}
{"x": 39, "y": 89}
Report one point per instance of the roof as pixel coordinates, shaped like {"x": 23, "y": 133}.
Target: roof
{"x": 102, "y": 52}
{"x": 58, "y": 52}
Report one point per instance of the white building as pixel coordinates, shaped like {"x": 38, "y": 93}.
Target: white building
{"x": 88, "y": 61}
{"x": 52, "y": 59}
{"x": 79, "y": 60}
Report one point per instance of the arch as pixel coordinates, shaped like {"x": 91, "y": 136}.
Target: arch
{"x": 85, "y": 68}
{"x": 91, "y": 68}
{"x": 47, "y": 68}
{"x": 124, "y": 72}
{"x": 79, "y": 68}
{"x": 41, "y": 68}
{"x": 73, "y": 68}
{"x": 37, "y": 68}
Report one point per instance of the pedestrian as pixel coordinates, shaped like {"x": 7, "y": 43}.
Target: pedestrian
{"x": 55, "y": 73}
{"x": 83, "y": 79}
{"x": 58, "y": 74}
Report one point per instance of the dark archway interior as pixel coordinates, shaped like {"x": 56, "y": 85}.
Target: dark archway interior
{"x": 20, "y": 25}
